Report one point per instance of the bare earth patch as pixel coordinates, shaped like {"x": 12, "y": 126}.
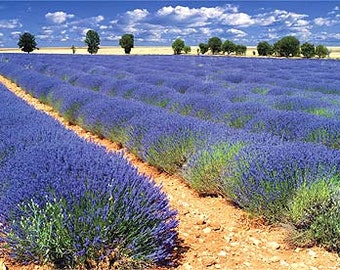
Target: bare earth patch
{"x": 213, "y": 233}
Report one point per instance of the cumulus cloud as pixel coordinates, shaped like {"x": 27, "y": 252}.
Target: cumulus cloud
{"x": 137, "y": 14}
{"x": 237, "y": 19}
{"x": 323, "y": 21}
{"x": 98, "y": 18}
{"x": 207, "y": 32}
{"x": 58, "y": 17}
{"x": 193, "y": 24}
{"x": 237, "y": 32}
{"x": 278, "y": 16}
{"x": 10, "y": 24}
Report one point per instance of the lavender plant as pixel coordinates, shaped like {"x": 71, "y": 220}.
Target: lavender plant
{"x": 265, "y": 177}
{"x": 206, "y": 167}
{"x": 314, "y": 213}
{"x": 68, "y": 202}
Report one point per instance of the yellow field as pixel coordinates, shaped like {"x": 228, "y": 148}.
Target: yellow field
{"x": 139, "y": 50}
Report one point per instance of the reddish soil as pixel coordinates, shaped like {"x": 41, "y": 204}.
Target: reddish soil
{"x": 213, "y": 233}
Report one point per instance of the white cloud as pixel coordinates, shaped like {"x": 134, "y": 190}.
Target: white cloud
{"x": 15, "y": 33}
{"x": 48, "y": 32}
{"x": 87, "y": 22}
{"x": 208, "y": 32}
{"x": 237, "y": 32}
{"x": 265, "y": 20}
{"x": 210, "y": 13}
{"x": 58, "y": 17}
{"x": 239, "y": 19}
{"x": 137, "y": 14}
{"x": 300, "y": 23}
{"x": 200, "y": 15}
{"x": 280, "y": 17}
{"x": 43, "y": 37}
{"x": 164, "y": 11}
{"x": 10, "y": 24}
{"x": 334, "y": 35}
{"x": 99, "y": 18}
{"x": 183, "y": 13}
{"x": 323, "y": 21}
{"x": 179, "y": 12}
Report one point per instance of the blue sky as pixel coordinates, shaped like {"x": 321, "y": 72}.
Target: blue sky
{"x": 65, "y": 23}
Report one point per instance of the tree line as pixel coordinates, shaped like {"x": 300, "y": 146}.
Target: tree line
{"x": 215, "y": 45}
{"x": 288, "y": 46}
{"x": 27, "y": 42}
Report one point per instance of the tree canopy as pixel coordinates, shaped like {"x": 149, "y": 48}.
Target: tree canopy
{"x": 203, "y": 47}
{"x": 178, "y": 45}
{"x": 264, "y": 48}
{"x": 92, "y": 40}
{"x": 27, "y": 42}
{"x": 321, "y": 51}
{"x": 228, "y": 47}
{"x": 288, "y": 46}
{"x": 215, "y": 45}
{"x": 127, "y": 42}
{"x": 240, "y": 49}
{"x": 308, "y": 50}
{"x": 187, "y": 49}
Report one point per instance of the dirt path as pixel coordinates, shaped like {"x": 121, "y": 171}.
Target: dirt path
{"x": 214, "y": 233}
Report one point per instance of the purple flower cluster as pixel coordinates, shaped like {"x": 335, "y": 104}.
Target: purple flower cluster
{"x": 288, "y": 129}
{"x": 264, "y": 177}
{"x": 107, "y": 205}
{"x": 230, "y": 91}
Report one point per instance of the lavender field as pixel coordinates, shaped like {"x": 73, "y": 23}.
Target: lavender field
{"x": 264, "y": 133}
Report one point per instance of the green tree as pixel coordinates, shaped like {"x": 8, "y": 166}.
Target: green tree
{"x": 187, "y": 49}
{"x": 321, "y": 51}
{"x": 27, "y": 42}
{"x": 308, "y": 50}
{"x": 287, "y": 47}
{"x": 127, "y": 42}
{"x": 203, "y": 47}
{"x": 92, "y": 40}
{"x": 178, "y": 45}
{"x": 215, "y": 45}
{"x": 264, "y": 48}
{"x": 228, "y": 47}
{"x": 240, "y": 49}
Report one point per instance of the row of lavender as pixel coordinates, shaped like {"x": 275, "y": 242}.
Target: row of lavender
{"x": 260, "y": 172}
{"x": 67, "y": 201}
{"x": 229, "y": 91}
